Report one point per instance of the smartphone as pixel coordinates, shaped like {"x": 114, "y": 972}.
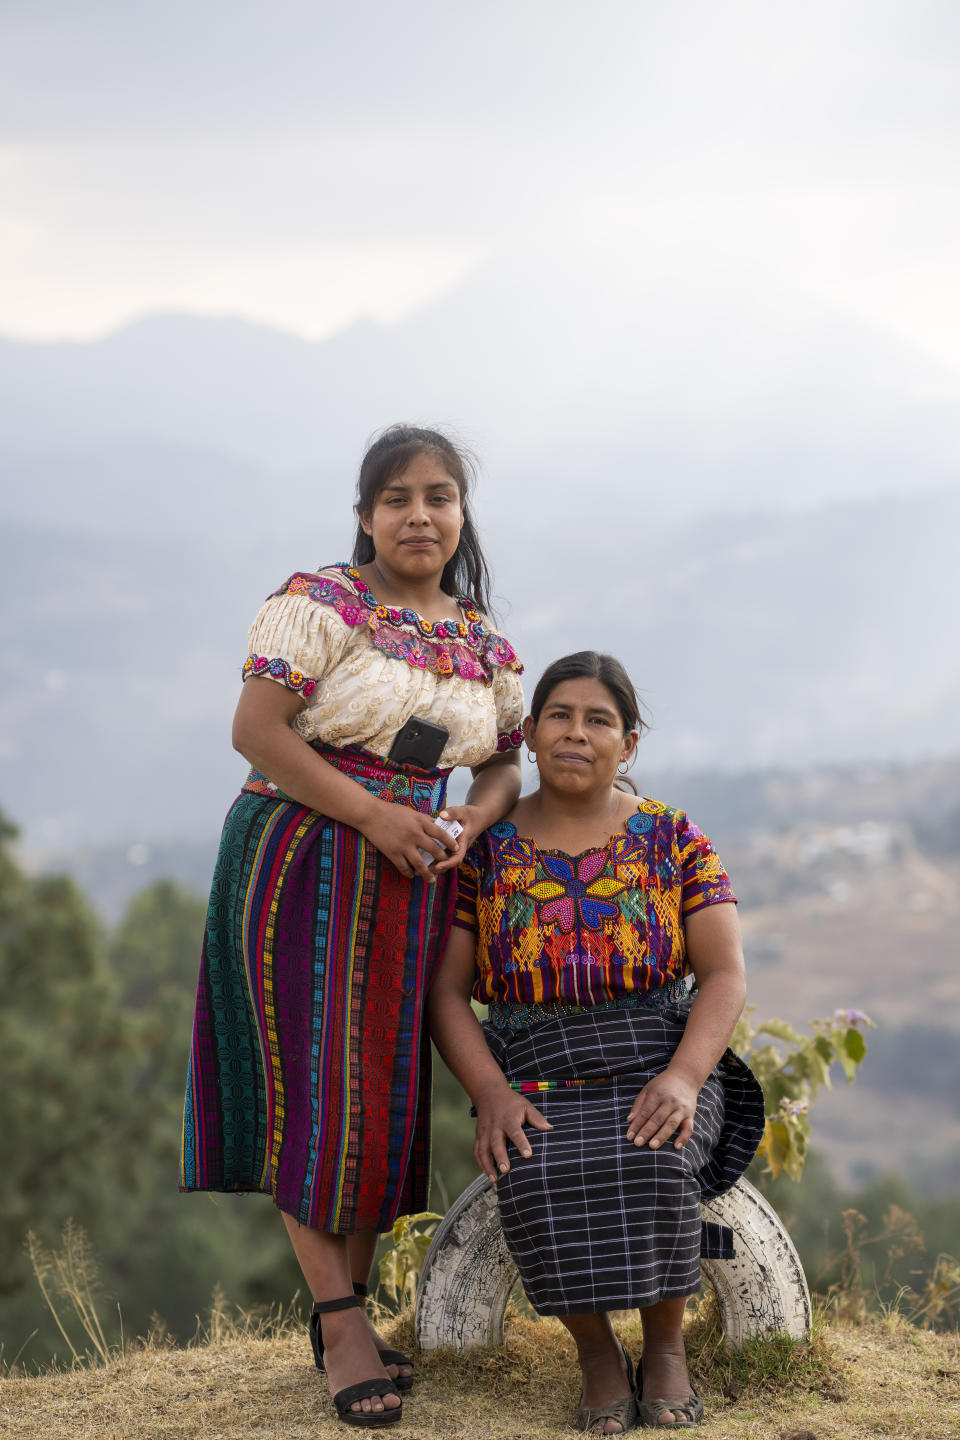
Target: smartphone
{"x": 418, "y": 742}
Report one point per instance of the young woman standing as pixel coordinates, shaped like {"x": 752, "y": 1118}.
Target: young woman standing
{"x": 334, "y": 889}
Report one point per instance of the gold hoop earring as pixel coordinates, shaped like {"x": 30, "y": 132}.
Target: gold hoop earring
{"x": 532, "y": 756}
{"x": 623, "y": 767}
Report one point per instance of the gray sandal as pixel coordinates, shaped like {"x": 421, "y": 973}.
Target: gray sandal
{"x": 649, "y": 1411}
{"x": 624, "y": 1412}
{"x": 691, "y": 1409}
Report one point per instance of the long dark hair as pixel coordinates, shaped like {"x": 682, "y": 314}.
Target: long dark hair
{"x": 591, "y": 665}
{"x": 466, "y": 572}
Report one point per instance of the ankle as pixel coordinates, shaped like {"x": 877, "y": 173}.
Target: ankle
{"x": 671, "y": 1347}
{"x": 338, "y": 1324}
{"x": 600, "y": 1351}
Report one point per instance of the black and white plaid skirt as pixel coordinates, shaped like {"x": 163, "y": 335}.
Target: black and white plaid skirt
{"x": 594, "y": 1222}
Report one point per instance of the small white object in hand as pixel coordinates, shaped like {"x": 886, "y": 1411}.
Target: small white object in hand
{"x": 453, "y": 829}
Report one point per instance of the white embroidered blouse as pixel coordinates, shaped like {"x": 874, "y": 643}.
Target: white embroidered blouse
{"x": 363, "y": 668}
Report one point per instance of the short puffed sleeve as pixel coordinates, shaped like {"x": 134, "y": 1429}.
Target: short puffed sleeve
{"x": 508, "y": 702}
{"x": 705, "y": 882}
{"x": 295, "y": 641}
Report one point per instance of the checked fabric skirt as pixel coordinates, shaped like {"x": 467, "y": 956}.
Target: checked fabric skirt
{"x": 593, "y": 1222}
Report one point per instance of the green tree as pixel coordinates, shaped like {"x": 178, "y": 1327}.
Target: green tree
{"x": 65, "y": 1067}
{"x": 236, "y": 1243}
{"x": 154, "y": 956}
{"x": 94, "y": 1037}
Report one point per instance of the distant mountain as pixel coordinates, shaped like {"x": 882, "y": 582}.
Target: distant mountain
{"x": 759, "y": 640}
{"x": 751, "y": 498}
{"x": 617, "y": 382}
{"x": 786, "y": 834}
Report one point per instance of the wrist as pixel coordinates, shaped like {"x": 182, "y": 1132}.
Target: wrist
{"x": 479, "y": 815}
{"x": 487, "y": 1089}
{"x": 473, "y": 818}
{"x": 686, "y": 1071}
{"x": 367, "y": 809}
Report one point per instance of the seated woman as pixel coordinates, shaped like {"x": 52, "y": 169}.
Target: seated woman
{"x": 602, "y": 933}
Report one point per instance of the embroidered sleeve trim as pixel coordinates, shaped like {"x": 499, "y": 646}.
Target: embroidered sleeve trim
{"x": 443, "y": 646}
{"x": 278, "y": 669}
{"x": 510, "y": 739}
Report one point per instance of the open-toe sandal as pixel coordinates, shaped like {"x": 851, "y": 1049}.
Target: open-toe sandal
{"x": 649, "y": 1411}
{"x": 624, "y": 1412}
{"x": 366, "y": 1389}
{"x": 387, "y": 1356}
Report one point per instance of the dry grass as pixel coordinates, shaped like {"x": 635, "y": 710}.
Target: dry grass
{"x": 879, "y": 1379}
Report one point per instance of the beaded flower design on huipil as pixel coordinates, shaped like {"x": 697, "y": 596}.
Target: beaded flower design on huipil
{"x": 441, "y": 646}
{"x": 581, "y": 929}
{"x": 576, "y": 891}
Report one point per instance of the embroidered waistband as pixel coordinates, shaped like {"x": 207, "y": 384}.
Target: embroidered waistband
{"x": 423, "y": 790}
{"x": 531, "y": 1087}
{"x": 510, "y": 1015}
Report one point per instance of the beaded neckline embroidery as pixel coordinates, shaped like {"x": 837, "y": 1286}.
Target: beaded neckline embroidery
{"x": 577, "y": 891}
{"x": 442, "y": 646}
{"x": 433, "y": 629}
{"x": 622, "y": 845}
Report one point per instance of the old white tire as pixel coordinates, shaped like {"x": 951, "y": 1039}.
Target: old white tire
{"x": 469, "y": 1273}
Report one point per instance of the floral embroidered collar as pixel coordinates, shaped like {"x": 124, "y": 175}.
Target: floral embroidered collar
{"x": 568, "y": 890}
{"x": 433, "y": 629}
{"x": 623, "y": 846}
{"x": 444, "y": 647}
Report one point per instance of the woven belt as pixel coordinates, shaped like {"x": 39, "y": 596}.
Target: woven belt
{"x": 423, "y": 790}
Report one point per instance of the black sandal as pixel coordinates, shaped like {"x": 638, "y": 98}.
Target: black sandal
{"x": 387, "y": 1356}
{"x": 366, "y": 1389}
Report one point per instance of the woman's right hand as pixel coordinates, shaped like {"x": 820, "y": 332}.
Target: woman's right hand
{"x": 501, "y": 1116}
{"x": 400, "y": 833}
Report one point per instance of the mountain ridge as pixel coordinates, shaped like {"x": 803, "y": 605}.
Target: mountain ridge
{"x": 758, "y": 644}
{"x": 548, "y": 365}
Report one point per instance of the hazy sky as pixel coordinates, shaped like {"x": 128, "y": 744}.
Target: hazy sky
{"x": 689, "y": 258}
{"x": 303, "y": 164}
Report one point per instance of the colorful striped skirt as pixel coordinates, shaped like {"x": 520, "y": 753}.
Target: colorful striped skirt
{"x": 309, "y": 1075}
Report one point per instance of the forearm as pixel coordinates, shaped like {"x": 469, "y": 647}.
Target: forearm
{"x": 289, "y": 762}
{"x": 715, "y": 1011}
{"x": 456, "y": 1032}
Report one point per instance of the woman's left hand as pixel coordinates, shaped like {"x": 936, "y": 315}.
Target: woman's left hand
{"x": 471, "y": 819}
{"x": 665, "y": 1105}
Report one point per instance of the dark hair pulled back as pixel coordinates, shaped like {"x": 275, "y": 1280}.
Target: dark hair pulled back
{"x": 592, "y": 665}
{"x": 389, "y": 454}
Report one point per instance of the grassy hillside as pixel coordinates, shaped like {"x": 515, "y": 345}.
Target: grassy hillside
{"x": 882, "y": 1379}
